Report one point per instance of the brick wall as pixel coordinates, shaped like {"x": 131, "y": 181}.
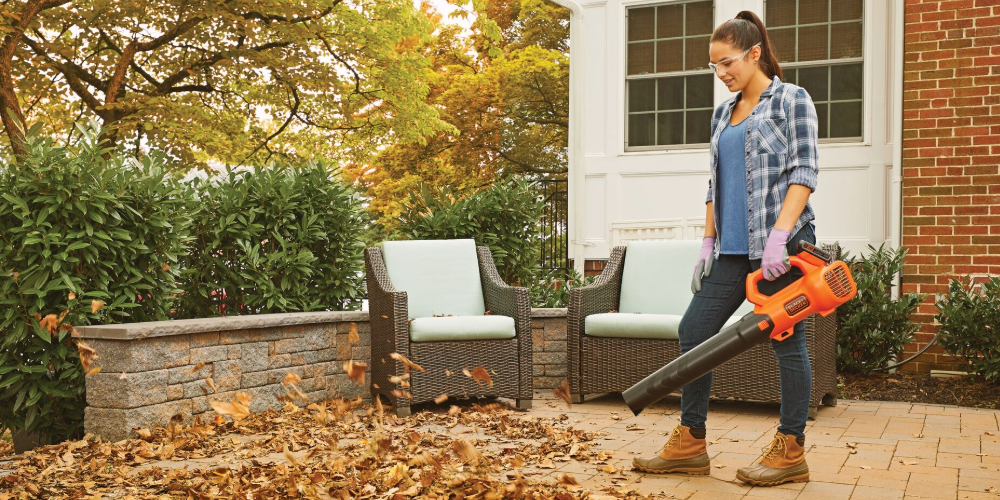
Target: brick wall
{"x": 951, "y": 148}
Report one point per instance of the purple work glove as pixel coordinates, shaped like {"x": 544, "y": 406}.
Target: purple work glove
{"x": 704, "y": 265}
{"x": 775, "y": 261}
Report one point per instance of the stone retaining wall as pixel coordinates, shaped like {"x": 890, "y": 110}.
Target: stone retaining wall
{"x": 153, "y": 371}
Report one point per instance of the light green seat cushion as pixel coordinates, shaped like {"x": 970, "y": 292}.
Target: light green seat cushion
{"x": 438, "y": 276}
{"x": 456, "y": 328}
{"x": 634, "y": 326}
{"x": 656, "y": 284}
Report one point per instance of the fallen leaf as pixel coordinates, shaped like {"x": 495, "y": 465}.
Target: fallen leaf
{"x": 466, "y": 451}
{"x": 96, "y": 305}
{"x": 356, "y": 370}
{"x": 197, "y": 367}
{"x": 568, "y": 480}
{"x": 211, "y": 383}
{"x": 918, "y": 435}
{"x": 441, "y": 399}
{"x": 291, "y": 378}
{"x": 563, "y": 392}
{"x": 866, "y": 467}
{"x": 406, "y": 362}
{"x": 87, "y": 357}
{"x": 719, "y": 466}
{"x": 238, "y": 408}
{"x": 480, "y": 375}
{"x": 291, "y": 458}
{"x": 402, "y": 393}
{"x": 72, "y": 296}
{"x": 352, "y": 335}
{"x": 165, "y": 267}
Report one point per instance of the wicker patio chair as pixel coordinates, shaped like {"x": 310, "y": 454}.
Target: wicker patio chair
{"x": 444, "y": 306}
{"x": 603, "y": 364}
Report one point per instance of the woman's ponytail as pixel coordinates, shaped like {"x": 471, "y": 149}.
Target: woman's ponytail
{"x": 745, "y": 31}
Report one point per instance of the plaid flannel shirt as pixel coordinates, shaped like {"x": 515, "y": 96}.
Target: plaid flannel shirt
{"x": 780, "y": 150}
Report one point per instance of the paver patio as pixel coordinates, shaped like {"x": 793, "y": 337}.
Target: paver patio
{"x": 857, "y": 450}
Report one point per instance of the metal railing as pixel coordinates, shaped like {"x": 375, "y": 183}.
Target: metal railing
{"x": 554, "y": 244}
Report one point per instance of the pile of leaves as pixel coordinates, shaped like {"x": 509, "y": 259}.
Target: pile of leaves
{"x": 338, "y": 449}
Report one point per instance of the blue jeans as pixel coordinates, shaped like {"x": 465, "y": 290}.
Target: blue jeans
{"x": 721, "y": 294}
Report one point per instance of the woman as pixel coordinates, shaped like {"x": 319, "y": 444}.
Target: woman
{"x": 764, "y": 168}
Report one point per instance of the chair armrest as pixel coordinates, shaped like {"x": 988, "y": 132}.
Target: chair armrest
{"x": 604, "y": 294}
{"x": 502, "y": 299}
{"x": 601, "y": 296}
{"x": 390, "y": 329}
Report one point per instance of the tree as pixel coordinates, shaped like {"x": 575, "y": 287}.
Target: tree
{"x": 505, "y": 89}
{"x": 234, "y": 81}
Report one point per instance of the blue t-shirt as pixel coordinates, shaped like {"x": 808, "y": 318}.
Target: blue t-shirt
{"x": 733, "y": 190}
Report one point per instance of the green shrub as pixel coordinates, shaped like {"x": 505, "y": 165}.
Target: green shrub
{"x": 504, "y": 218}
{"x": 73, "y": 223}
{"x": 279, "y": 239}
{"x": 874, "y": 328}
{"x": 970, "y": 325}
{"x": 551, "y": 289}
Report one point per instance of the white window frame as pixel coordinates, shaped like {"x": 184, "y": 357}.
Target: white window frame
{"x": 868, "y": 43}
{"x": 655, "y": 76}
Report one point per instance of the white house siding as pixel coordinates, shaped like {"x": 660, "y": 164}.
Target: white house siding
{"x": 617, "y": 195}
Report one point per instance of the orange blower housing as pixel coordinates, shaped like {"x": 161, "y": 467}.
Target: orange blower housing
{"x": 825, "y": 285}
{"x": 822, "y": 288}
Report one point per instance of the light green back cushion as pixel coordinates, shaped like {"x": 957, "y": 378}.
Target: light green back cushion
{"x": 657, "y": 276}
{"x": 438, "y": 276}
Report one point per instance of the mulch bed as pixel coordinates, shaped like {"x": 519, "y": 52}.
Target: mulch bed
{"x": 921, "y": 388}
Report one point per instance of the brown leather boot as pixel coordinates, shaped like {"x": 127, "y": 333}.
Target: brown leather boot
{"x": 783, "y": 461}
{"x": 682, "y": 453}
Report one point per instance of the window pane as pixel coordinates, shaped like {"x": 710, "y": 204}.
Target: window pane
{"x": 846, "y": 82}
{"x": 698, "y": 125}
{"x": 783, "y": 41}
{"x": 846, "y": 10}
{"x": 668, "y": 55}
{"x": 671, "y": 93}
{"x": 699, "y": 19}
{"x": 699, "y": 91}
{"x": 696, "y": 53}
{"x": 640, "y": 23}
{"x": 812, "y": 43}
{"x": 814, "y": 80}
{"x": 791, "y": 76}
{"x": 813, "y": 11}
{"x": 670, "y": 21}
{"x": 779, "y": 13}
{"x": 642, "y": 129}
{"x": 641, "y": 95}
{"x": 821, "y": 113}
{"x": 845, "y": 119}
{"x": 640, "y": 58}
{"x": 671, "y": 127}
{"x": 846, "y": 40}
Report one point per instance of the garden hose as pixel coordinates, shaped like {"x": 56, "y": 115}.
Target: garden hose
{"x": 911, "y": 358}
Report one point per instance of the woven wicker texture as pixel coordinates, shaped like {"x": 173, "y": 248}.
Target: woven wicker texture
{"x": 508, "y": 362}
{"x": 599, "y": 365}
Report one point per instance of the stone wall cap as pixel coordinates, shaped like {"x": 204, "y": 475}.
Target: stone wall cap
{"x": 548, "y": 312}
{"x": 131, "y": 331}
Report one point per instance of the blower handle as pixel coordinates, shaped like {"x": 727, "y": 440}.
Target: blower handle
{"x": 759, "y": 299}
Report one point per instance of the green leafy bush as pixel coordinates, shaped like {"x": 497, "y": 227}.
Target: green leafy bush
{"x": 874, "y": 328}
{"x": 504, "y": 218}
{"x": 76, "y": 227}
{"x": 284, "y": 238}
{"x": 970, "y": 325}
{"x": 551, "y": 289}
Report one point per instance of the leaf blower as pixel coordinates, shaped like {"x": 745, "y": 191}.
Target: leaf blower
{"x": 825, "y": 284}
